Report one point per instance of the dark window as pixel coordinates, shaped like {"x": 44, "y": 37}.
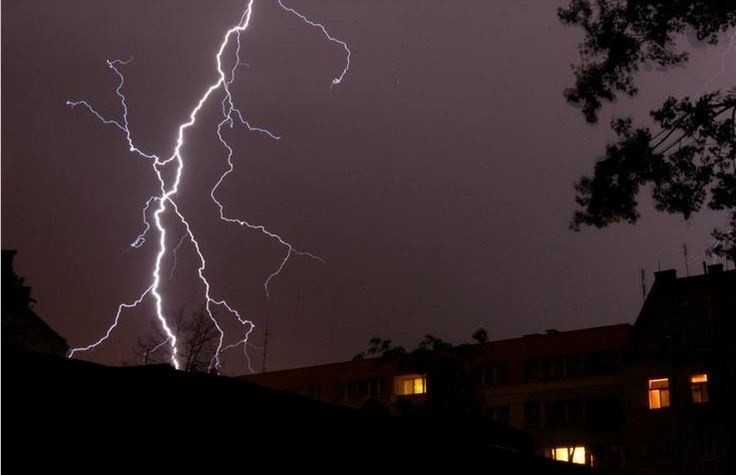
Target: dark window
{"x": 531, "y": 369}
{"x": 532, "y": 416}
{"x": 309, "y": 391}
{"x": 608, "y": 457}
{"x": 499, "y": 414}
{"x": 342, "y": 391}
{"x": 603, "y": 362}
{"x": 502, "y": 372}
{"x": 376, "y": 388}
{"x": 553, "y": 368}
{"x": 360, "y": 389}
{"x": 661, "y": 450}
{"x": 574, "y": 412}
{"x": 707, "y": 448}
{"x": 554, "y": 412}
{"x": 571, "y": 366}
{"x": 495, "y": 374}
{"x": 563, "y": 413}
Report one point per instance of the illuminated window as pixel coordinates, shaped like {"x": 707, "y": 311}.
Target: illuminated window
{"x": 659, "y": 393}
{"x": 411, "y": 384}
{"x": 574, "y": 454}
{"x": 699, "y": 388}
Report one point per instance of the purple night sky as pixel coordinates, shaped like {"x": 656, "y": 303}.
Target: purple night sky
{"x": 436, "y": 180}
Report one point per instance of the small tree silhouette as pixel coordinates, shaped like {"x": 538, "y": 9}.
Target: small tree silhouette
{"x": 197, "y": 339}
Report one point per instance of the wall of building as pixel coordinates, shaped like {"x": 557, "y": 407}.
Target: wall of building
{"x": 590, "y": 388}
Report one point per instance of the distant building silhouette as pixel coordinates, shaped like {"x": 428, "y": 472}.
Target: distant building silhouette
{"x": 21, "y": 327}
{"x": 655, "y": 397}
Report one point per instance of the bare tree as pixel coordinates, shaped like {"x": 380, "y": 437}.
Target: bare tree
{"x": 197, "y": 341}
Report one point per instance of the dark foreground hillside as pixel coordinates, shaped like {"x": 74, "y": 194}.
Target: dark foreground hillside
{"x": 77, "y": 417}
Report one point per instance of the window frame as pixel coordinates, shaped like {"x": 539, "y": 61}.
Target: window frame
{"x": 658, "y": 395}
{"x": 699, "y": 387}
{"x": 400, "y": 384}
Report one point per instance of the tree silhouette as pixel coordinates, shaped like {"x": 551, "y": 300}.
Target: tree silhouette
{"x": 451, "y": 383}
{"x": 197, "y": 340}
{"x": 690, "y": 161}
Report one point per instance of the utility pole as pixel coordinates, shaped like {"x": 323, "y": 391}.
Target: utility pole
{"x": 684, "y": 255}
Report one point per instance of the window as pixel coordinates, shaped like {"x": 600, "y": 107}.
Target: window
{"x": 360, "y": 389}
{"x": 707, "y": 448}
{"x": 532, "y": 416}
{"x": 659, "y": 393}
{"x": 495, "y": 374}
{"x": 499, "y": 414}
{"x": 554, "y": 413}
{"x": 559, "y": 367}
{"x": 575, "y": 454}
{"x": 553, "y": 368}
{"x": 661, "y": 450}
{"x": 572, "y": 366}
{"x": 410, "y": 384}
{"x": 699, "y": 388}
{"x": 603, "y": 362}
{"x": 309, "y": 391}
{"x": 531, "y": 369}
{"x": 563, "y": 413}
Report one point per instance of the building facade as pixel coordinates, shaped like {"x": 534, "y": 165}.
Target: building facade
{"x": 564, "y": 388}
{"x": 649, "y": 398}
{"x": 679, "y": 381}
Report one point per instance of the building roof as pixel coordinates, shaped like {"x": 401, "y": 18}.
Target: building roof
{"x": 21, "y": 326}
{"x": 538, "y": 345}
{"x": 686, "y": 314}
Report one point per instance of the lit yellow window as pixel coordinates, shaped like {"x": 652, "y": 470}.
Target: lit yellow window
{"x": 699, "y": 388}
{"x": 568, "y": 454}
{"x": 659, "y": 393}
{"x": 411, "y": 384}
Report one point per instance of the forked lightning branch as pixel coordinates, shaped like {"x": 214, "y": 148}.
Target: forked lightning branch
{"x": 169, "y": 171}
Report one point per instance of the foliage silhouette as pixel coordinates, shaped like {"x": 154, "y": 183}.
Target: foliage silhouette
{"x": 197, "y": 340}
{"x": 450, "y": 380}
{"x": 690, "y": 162}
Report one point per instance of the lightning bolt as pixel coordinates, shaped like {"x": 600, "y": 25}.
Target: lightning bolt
{"x": 724, "y": 61}
{"x": 164, "y": 202}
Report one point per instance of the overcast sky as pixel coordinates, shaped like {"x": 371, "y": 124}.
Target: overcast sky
{"x": 435, "y": 181}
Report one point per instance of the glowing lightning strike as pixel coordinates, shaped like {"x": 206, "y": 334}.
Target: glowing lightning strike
{"x": 165, "y": 200}
{"x": 344, "y": 45}
{"x": 723, "y": 72}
